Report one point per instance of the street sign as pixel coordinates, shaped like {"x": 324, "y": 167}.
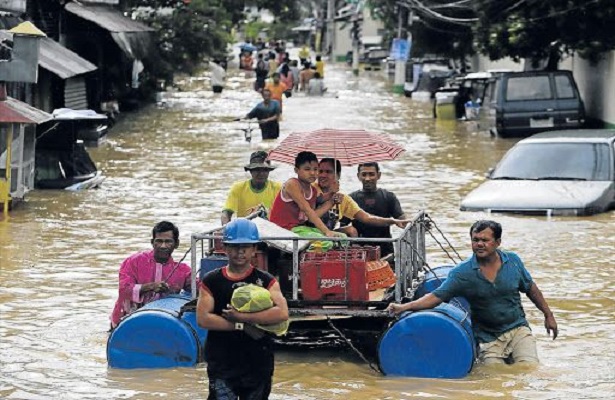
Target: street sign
{"x": 400, "y": 49}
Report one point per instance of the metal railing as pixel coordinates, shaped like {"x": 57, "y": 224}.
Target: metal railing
{"x": 409, "y": 256}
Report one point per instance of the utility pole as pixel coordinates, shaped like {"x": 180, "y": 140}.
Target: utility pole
{"x": 356, "y": 41}
{"x": 400, "y": 62}
{"x": 330, "y": 41}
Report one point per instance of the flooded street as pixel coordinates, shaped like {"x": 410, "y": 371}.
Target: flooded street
{"x": 60, "y": 251}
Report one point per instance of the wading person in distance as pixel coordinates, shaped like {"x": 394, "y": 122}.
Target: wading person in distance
{"x": 268, "y": 114}
{"x": 239, "y": 355}
{"x": 150, "y": 275}
{"x": 491, "y": 281}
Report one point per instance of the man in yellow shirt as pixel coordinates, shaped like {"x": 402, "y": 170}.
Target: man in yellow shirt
{"x": 304, "y": 54}
{"x": 328, "y": 181}
{"x": 246, "y": 196}
{"x": 320, "y": 66}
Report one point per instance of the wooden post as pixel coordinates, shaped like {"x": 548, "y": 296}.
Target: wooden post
{"x": 7, "y": 197}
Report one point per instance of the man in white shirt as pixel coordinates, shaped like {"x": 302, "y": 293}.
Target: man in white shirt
{"x": 218, "y": 76}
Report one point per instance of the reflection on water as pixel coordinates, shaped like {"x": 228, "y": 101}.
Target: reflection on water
{"x": 60, "y": 252}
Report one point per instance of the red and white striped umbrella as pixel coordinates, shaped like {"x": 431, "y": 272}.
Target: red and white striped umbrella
{"x": 350, "y": 147}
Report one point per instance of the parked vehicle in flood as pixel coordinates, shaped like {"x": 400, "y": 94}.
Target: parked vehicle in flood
{"x": 524, "y": 103}
{"x": 462, "y": 96}
{"x": 553, "y": 173}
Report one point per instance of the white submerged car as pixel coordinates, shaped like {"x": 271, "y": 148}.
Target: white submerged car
{"x": 568, "y": 172}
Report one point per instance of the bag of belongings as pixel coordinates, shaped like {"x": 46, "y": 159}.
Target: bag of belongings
{"x": 252, "y": 298}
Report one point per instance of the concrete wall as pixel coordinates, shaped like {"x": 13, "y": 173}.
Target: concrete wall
{"x": 482, "y": 63}
{"x": 597, "y": 86}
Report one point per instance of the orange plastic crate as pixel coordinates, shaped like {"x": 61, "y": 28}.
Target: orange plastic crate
{"x": 379, "y": 275}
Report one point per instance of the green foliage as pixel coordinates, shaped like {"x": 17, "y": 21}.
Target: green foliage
{"x": 189, "y": 31}
{"x": 531, "y": 29}
{"x": 186, "y": 33}
{"x": 538, "y": 30}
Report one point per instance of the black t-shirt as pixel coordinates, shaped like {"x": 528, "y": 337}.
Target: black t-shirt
{"x": 233, "y": 355}
{"x": 383, "y": 204}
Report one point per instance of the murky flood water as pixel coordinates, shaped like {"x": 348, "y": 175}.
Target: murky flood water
{"x": 60, "y": 251}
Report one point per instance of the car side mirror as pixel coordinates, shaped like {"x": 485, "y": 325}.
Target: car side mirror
{"x": 489, "y": 172}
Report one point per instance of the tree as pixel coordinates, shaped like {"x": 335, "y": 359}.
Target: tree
{"x": 539, "y": 30}
{"x": 188, "y": 31}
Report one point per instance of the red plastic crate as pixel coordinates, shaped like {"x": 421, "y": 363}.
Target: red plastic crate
{"x": 334, "y": 275}
{"x": 373, "y": 252}
{"x": 260, "y": 260}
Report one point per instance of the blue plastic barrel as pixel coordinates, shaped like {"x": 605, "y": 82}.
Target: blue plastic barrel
{"x": 433, "y": 279}
{"x": 212, "y": 262}
{"x": 157, "y": 336}
{"x": 436, "y": 343}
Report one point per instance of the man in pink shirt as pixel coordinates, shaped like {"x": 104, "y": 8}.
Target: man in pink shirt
{"x": 151, "y": 275}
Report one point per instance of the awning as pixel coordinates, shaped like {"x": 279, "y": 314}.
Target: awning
{"x": 57, "y": 59}
{"x": 18, "y": 112}
{"x": 61, "y": 61}
{"x": 132, "y": 36}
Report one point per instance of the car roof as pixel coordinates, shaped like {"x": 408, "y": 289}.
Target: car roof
{"x": 535, "y": 73}
{"x": 576, "y": 135}
{"x": 478, "y": 75}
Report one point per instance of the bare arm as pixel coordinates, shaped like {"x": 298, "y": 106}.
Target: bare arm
{"x": 324, "y": 207}
{"x": 425, "y": 302}
{"x": 539, "y": 301}
{"x": 293, "y": 189}
{"x": 205, "y": 316}
{"x": 370, "y": 219}
{"x": 276, "y": 314}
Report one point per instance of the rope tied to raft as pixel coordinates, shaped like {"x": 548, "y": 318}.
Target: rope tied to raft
{"x": 376, "y": 368}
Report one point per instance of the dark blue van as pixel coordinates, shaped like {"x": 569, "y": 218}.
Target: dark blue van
{"x": 524, "y": 103}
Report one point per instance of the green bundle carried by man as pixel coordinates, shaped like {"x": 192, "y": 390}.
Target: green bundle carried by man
{"x": 252, "y": 298}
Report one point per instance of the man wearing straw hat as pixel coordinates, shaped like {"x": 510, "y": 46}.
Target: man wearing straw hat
{"x": 246, "y": 196}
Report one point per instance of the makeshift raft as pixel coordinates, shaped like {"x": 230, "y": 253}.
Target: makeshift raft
{"x": 329, "y": 304}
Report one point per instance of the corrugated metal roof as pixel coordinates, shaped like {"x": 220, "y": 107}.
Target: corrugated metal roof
{"x": 15, "y": 111}
{"x": 57, "y": 59}
{"x": 61, "y": 61}
{"x": 107, "y": 18}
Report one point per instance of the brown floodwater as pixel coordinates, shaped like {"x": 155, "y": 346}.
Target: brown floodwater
{"x": 60, "y": 251}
